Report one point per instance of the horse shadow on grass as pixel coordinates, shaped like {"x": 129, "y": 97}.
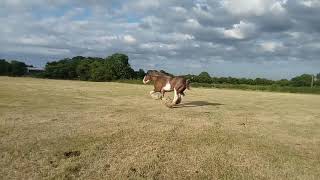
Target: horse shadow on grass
{"x": 197, "y": 104}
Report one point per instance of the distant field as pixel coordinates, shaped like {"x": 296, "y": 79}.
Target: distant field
{"x": 267, "y": 88}
{"x": 52, "y": 129}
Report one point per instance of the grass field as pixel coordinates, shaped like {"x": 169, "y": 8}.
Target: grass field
{"x": 266, "y": 88}
{"x": 53, "y": 129}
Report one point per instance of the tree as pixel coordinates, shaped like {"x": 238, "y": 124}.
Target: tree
{"x": 113, "y": 67}
{"x": 303, "y": 80}
{"x": 18, "y": 68}
{"x": 318, "y": 76}
{"x": 283, "y": 82}
{"x": 58, "y": 69}
{"x": 78, "y": 58}
{"x": 100, "y": 71}
{"x": 232, "y": 80}
{"x": 263, "y": 81}
{"x": 245, "y": 81}
{"x": 4, "y": 67}
{"x": 63, "y": 69}
{"x": 83, "y": 70}
{"x": 120, "y": 67}
{"x": 140, "y": 74}
{"x": 203, "y": 77}
{"x": 190, "y": 77}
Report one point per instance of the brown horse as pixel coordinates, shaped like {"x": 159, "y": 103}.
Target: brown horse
{"x": 167, "y": 83}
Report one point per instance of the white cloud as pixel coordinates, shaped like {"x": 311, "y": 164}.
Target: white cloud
{"x": 155, "y": 46}
{"x": 129, "y": 39}
{"x": 314, "y": 45}
{"x": 140, "y": 5}
{"x": 182, "y": 37}
{"x": 295, "y": 35}
{"x": 179, "y": 10}
{"x": 171, "y": 29}
{"x": 240, "y": 31}
{"x": 271, "y": 46}
{"x": 277, "y": 7}
{"x": 254, "y": 7}
{"x": 248, "y": 7}
{"x": 310, "y": 3}
{"x": 192, "y": 23}
{"x": 38, "y": 50}
{"x": 106, "y": 40}
{"x": 33, "y": 40}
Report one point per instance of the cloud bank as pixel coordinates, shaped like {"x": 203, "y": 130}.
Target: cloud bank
{"x": 254, "y": 38}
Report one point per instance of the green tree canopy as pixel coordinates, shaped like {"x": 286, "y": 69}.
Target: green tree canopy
{"x": 18, "y": 68}
{"x": 303, "y": 80}
{"x": 203, "y": 77}
{"x": 5, "y": 67}
{"x": 113, "y": 67}
{"x": 140, "y": 74}
{"x": 120, "y": 67}
{"x": 83, "y": 70}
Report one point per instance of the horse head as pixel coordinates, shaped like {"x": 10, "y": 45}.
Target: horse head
{"x": 148, "y": 77}
{"x": 152, "y": 75}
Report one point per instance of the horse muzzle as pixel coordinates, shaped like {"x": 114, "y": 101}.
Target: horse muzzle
{"x": 145, "y": 81}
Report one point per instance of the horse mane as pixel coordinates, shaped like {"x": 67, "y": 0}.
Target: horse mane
{"x": 157, "y": 73}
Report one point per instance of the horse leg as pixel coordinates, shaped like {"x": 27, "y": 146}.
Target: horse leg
{"x": 175, "y": 99}
{"x": 176, "y": 96}
{"x": 179, "y": 99}
{"x": 162, "y": 93}
{"x": 151, "y": 92}
{"x": 180, "y": 93}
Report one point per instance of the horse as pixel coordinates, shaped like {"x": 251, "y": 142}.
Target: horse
{"x": 167, "y": 83}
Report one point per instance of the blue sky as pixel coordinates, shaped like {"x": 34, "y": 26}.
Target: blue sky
{"x": 253, "y": 38}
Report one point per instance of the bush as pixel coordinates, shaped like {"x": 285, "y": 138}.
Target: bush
{"x": 303, "y": 80}
{"x": 5, "y": 67}
{"x": 17, "y": 68}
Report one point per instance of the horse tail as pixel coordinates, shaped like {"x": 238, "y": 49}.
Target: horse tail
{"x": 188, "y": 84}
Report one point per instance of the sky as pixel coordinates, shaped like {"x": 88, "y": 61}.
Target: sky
{"x": 273, "y": 39}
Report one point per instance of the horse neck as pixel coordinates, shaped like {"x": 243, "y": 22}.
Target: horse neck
{"x": 154, "y": 78}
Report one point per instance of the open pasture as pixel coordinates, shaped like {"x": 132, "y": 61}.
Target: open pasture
{"x": 54, "y": 129}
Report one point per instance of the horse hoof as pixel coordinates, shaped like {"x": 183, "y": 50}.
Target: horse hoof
{"x": 169, "y": 105}
{"x": 156, "y": 96}
{"x": 178, "y": 101}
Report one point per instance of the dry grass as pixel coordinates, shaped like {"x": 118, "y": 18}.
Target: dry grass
{"x": 52, "y": 129}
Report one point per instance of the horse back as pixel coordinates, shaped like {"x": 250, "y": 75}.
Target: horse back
{"x": 179, "y": 83}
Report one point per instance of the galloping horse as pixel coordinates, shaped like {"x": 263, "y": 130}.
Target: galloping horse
{"x": 166, "y": 83}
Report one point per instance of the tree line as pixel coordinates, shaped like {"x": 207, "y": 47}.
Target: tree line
{"x": 111, "y": 68}
{"x": 298, "y": 81}
{"x": 12, "y": 68}
{"x": 117, "y": 67}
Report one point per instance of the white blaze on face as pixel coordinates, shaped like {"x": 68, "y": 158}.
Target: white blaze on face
{"x": 167, "y": 87}
{"x": 144, "y": 80}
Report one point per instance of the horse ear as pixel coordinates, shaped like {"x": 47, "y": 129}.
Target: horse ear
{"x": 151, "y": 71}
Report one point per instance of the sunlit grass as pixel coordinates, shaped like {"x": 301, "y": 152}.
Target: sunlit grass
{"x": 72, "y": 129}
